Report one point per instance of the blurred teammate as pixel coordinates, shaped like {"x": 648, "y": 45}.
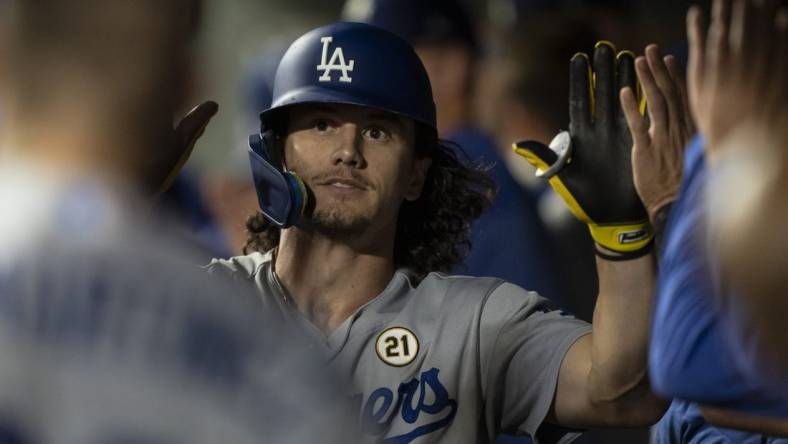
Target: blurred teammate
{"x": 107, "y": 332}
{"x": 748, "y": 140}
{"x": 366, "y": 210}
{"x": 692, "y": 357}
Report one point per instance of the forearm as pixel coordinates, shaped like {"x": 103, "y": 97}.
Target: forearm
{"x": 622, "y": 319}
{"x": 609, "y": 365}
{"x": 736, "y": 420}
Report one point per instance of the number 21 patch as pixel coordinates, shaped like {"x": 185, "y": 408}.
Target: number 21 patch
{"x": 397, "y": 346}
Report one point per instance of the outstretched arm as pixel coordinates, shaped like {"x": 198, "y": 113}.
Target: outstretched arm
{"x": 603, "y": 378}
{"x": 616, "y": 378}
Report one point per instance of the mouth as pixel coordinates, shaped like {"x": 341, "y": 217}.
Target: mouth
{"x": 342, "y": 183}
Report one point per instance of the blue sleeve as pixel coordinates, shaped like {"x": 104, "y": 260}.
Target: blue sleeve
{"x": 690, "y": 357}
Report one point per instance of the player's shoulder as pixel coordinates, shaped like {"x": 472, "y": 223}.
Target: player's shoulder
{"x": 246, "y": 266}
{"x": 448, "y": 282}
{"x": 466, "y": 290}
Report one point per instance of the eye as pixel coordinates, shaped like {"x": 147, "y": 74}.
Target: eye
{"x": 321, "y": 125}
{"x": 377, "y": 134}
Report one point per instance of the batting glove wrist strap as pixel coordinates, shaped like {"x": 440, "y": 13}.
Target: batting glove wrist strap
{"x": 618, "y": 257}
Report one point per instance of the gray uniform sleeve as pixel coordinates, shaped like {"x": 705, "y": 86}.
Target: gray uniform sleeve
{"x": 523, "y": 341}
{"x": 240, "y": 268}
{"x": 248, "y": 276}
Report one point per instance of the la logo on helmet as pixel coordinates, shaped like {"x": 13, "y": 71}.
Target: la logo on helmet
{"x": 337, "y": 62}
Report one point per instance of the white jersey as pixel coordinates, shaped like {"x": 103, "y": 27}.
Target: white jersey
{"x": 451, "y": 360}
{"x": 109, "y": 334}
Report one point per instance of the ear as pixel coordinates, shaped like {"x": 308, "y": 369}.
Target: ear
{"x": 417, "y": 178}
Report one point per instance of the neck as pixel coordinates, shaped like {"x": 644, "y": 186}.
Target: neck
{"x": 330, "y": 279}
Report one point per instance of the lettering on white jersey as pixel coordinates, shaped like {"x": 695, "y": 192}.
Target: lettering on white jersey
{"x": 337, "y": 62}
{"x": 397, "y": 346}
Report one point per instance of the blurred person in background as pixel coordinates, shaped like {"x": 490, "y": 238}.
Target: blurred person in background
{"x": 108, "y": 332}
{"x": 509, "y": 240}
{"x": 692, "y": 355}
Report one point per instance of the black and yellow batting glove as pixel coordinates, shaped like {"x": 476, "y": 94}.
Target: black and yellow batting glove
{"x": 590, "y": 165}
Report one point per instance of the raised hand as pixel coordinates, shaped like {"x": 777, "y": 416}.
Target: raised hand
{"x": 737, "y": 71}
{"x": 659, "y": 141}
{"x": 591, "y": 167}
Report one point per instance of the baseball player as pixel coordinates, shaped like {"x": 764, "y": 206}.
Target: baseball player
{"x": 108, "y": 333}
{"x": 363, "y": 210}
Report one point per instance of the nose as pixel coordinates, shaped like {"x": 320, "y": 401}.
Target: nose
{"x": 348, "y": 150}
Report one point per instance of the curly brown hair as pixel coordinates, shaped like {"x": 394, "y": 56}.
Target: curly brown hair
{"x": 433, "y": 232}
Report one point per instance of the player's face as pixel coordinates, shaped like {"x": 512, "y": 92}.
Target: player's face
{"x": 358, "y": 162}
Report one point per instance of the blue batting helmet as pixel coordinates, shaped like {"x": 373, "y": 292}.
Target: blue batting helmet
{"x": 347, "y": 63}
{"x": 355, "y": 64}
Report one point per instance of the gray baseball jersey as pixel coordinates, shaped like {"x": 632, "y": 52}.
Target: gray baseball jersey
{"x": 453, "y": 359}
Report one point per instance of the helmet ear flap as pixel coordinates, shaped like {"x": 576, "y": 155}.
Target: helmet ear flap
{"x": 274, "y": 146}
{"x": 281, "y": 194}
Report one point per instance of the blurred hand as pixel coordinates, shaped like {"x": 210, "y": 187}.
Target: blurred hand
{"x": 659, "y": 141}
{"x": 184, "y": 136}
{"x": 738, "y": 70}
